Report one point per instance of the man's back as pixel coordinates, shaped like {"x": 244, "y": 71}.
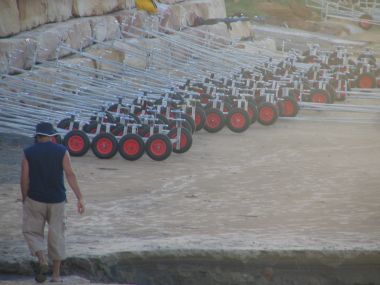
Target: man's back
{"x": 45, "y": 161}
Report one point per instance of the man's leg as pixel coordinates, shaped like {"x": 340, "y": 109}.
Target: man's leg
{"x": 41, "y": 257}
{"x": 34, "y": 217}
{"x": 55, "y": 277}
{"x": 56, "y": 237}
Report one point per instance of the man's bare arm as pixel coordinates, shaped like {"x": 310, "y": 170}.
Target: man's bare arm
{"x": 72, "y": 180}
{"x": 24, "y": 178}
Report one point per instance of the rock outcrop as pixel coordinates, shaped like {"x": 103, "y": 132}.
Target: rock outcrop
{"x": 9, "y": 15}
{"x": 42, "y": 43}
{"x": 83, "y": 8}
{"x": 32, "y": 13}
{"x": 59, "y": 10}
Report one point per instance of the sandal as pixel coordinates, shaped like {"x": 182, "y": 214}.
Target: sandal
{"x": 41, "y": 272}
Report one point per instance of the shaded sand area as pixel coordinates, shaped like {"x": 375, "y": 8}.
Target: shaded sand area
{"x": 297, "y": 185}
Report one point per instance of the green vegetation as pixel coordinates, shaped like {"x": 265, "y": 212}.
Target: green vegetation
{"x": 249, "y": 7}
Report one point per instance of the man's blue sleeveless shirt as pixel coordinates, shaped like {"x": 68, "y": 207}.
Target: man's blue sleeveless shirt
{"x": 46, "y": 172}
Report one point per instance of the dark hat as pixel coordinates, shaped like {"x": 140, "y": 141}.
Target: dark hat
{"x": 45, "y": 129}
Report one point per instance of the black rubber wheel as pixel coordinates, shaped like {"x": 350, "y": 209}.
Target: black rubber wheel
{"x": 131, "y": 147}
{"x": 57, "y": 139}
{"x": 108, "y": 118}
{"x": 185, "y": 124}
{"x": 310, "y": 59}
{"x": 238, "y": 120}
{"x": 215, "y": 120}
{"x": 252, "y": 112}
{"x": 104, "y": 145}
{"x": 65, "y": 124}
{"x": 377, "y": 74}
{"x": 132, "y": 119}
{"x": 319, "y": 96}
{"x": 369, "y": 58}
{"x": 366, "y": 81}
{"x": 113, "y": 108}
{"x": 186, "y": 140}
{"x": 158, "y": 147}
{"x": 92, "y": 126}
{"x": 76, "y": 142}
{"x": 135, "y": 118}
{"x": 190, "y": 120}
{"x": 200, "y": 117}
{"x": 331, "y": 90}
{"x": 288, "y": 107}
{"x": 363, "y": 21}
{"x": 226, "y": 107}
{"x": 268, "y": 113}
{"x": 144, "y": 131}
{"x": 162, "y": 119}
{"x": 334, "y": 59}
{"x": 117, "y": 130}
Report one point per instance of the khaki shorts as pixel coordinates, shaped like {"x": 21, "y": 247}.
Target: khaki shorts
{"x": 35, "y": 216}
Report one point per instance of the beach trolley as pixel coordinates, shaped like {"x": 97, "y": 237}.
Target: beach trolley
{"x": 365, "y": 12}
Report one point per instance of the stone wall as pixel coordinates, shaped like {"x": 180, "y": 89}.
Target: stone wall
{"x": 23, "y": 15}
{"x": 41, "y": 43}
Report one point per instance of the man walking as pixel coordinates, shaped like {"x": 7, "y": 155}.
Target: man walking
{"x": 44, "y": 197}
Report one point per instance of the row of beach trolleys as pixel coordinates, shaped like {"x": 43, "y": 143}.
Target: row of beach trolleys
{"x": 192, "y": 82}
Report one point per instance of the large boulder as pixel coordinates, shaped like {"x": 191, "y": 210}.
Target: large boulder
{"x": 10, "y": 23}
{"x": 16, "y": 53}
{"x": 208, "y": 9}
{"x": 241, "y": 30}
{"x": 184, "y": 14}
{"x": 219, "y": 32}
{"x": 134, "y": 51}
{"x": 106, "y": 59}
{"x": 105, "y": 28}
{"x": 83, "y": 8}
{"x": 74, "y": 34}
{"x": 32, "y": 13}
{"x": 59, "y": 10}
{"x": 133, "y": 22}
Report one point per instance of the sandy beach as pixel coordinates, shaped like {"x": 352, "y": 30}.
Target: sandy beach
{"x": 308, "y": 183}
{"x": 296, "y": 184}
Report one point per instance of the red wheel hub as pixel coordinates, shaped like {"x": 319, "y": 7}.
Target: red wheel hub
{"x": 365, "y": 24}
{"x": 237, "y": 120}
{"x": 365, "y": 82}
{"x": 183, "y": 140}
{"x": 92, "y": 130}
{"x": 266, "y": 114}
{"x": 131, "y": 147}
{"x": 76, "y": 143}
{"x": 287, "y": 108}
{"x": 213, "y": 120}
{"x": 198, "y": 119}
{"x": 204, "y": 100}
{"x": 251, "y": 112}
{"x": 319, "y": 98}
{"x": 158, "y": 147}
{"x": 104, "y": 146}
